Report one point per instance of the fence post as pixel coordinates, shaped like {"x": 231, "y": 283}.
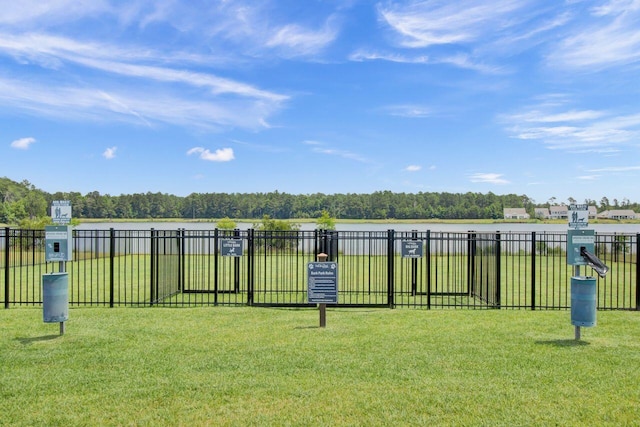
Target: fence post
{"x": 498, "y": 275}
{"x": 390, "y": 267}
{"x": 216, "y": 254}
{"x": 250, "y": 266}
{"x": 533, "y": 270}
{"x": 472, "y": 247}
{"x": 638, "y": 271}
{"x": 7, "y": 246}
{"x": 152, "y": 248}
{"x": 236, "y": 265}
{"x": 112, "y": 250}
{"x": 428, "y": 255}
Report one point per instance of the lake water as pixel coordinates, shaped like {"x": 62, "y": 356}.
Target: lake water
{"x": 448, "y": 227}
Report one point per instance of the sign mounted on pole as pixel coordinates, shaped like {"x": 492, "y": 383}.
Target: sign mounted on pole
{"x": 61, "y": 212}
{"x": 412, "y": 249}
{"x": 231, "y": 247}
{"x": 578, "y": 216}
{"x": 322, "y": 282}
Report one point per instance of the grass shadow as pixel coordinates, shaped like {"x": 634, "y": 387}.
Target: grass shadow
{"x": 564, "y": 343}
{"x": 29, "y": 341}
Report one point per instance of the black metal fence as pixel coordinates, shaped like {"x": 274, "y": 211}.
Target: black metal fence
{"x": 268, "y": 268}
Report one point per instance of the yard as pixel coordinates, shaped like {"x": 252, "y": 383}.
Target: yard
{"x": 255, "y": 366}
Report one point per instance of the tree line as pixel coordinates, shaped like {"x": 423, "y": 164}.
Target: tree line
{"x": 19, "y": 200}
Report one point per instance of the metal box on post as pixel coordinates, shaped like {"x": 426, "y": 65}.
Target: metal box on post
{"x": 583, "y": 301}
{"x": 576, "y": 240}
{"x": 58, "y": 243}
{"x": 55, "y": 297}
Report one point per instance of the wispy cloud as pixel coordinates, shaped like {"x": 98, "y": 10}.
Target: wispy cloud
{"x": 23, "y": 143}
{"x": 368, "y": 55}
{"x": 609, "y": 38}
{"x": 617, "y": 169}
{"x": 585, "y": 130}
{"x": 109, "y": 153}
{"x": 413, "y": 168}
{"x": 410, "y": 111}
{"x": 420, "y": 24}
{"x": 136, "y": 105}
{"x": 490, "y": 178}
{"x": 294, "y": 40}
{"x": 320, "y": 148}
{"x": 220, "y": 155}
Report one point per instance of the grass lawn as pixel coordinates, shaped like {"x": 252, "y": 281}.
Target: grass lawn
{"x": 251, "y": 366}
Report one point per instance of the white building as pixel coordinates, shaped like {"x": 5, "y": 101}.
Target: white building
{"x": 618, "y": 214}
{"x": 515, "y": 213}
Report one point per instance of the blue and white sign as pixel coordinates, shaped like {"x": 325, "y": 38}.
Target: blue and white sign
{"x": 322, "y": 282}
{"x": 61, "y": 212}
{"x": 578, "y": 216}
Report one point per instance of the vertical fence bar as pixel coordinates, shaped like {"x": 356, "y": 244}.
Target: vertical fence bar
{"x": 428, "y": 255}
{"x": 236, "y": 265}
{"x": 638, "y": 271}
{"x": 180, "y": 242}
{"x": 498, "y": 275}
{"x": 152, "y": 278}
{"x": 112, "y": 250}
{"x": 533, "y": 270}
{"x": 390, "y": 267}
{"x": 6, "y": 266}
{"x": 216, "y": 254}
{"x": 251, "y": 266}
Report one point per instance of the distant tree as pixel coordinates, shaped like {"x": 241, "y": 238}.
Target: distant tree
{"x": 284, "y": 233}
{"x": 226, "y": 224}
{"x": 326, "y": 222}
{"x": 270, "y": 224}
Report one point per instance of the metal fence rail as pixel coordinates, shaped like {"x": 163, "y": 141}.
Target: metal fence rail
{"x": 187, "y": 268}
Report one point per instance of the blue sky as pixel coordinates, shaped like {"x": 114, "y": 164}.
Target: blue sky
{"x": 335, "y": 96}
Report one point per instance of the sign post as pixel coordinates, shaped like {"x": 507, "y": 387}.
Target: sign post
{"x": 58, "y": 247}
{"x": 322, "y": 285}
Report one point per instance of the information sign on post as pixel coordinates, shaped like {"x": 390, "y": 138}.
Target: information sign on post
{"x": 412, "y": 249}
{"x": 578, "y": 216}
{"x": 61, "y": 212}
{"x": 231, "y": 247}
{"x": 322, "y": 282}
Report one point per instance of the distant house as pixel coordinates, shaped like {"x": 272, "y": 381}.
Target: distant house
{"x": 593, "y": 212}
{"x": 515, "y": 213}
{"x": 618, "y": 214}
{"x": 558, "y": 212}
{"x": 542, "y": 213}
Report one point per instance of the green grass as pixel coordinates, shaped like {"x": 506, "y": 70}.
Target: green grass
{"x": 249, "y": 366}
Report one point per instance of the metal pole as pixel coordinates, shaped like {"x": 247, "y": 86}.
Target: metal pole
{"x": 62, "y": 268}
{"x": 576, "y": 273}
{"x": 7, "y": 258}
{"x": 322, "y": 257}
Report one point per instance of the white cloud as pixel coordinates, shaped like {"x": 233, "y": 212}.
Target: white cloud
{"x": 413, "y": 168}
{"x": 363, "y": 55}
{"x": 109, "y": 153}
{"x": 296, "y": 40}
{"x": 319, "y": 147}
{"x": 583, "y": 130}
{"x": 23, "y": 143}
{"x": 409, "y": 111}
{"x": 610, "y": 38}
{"x": 220, "y": 155}
{"x": 617, "y": 169}
{"x": 421, "y": 24}
{"x": 136, "y": 105}
{"x": 491, "y": 178}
